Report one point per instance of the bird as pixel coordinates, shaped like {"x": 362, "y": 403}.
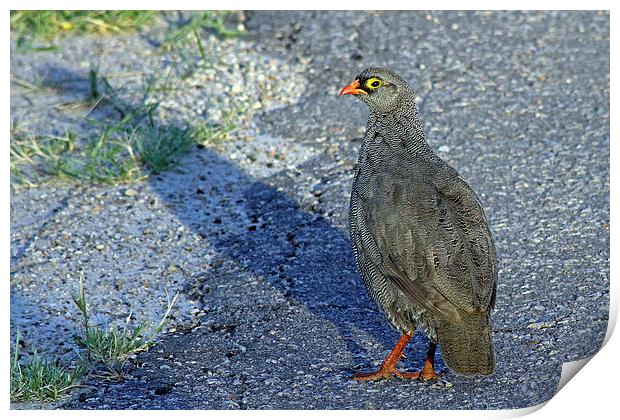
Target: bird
{"x": 420, "y": 237}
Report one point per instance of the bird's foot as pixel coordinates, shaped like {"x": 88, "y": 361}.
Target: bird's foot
{"x": 423, "y": 374}
{"x": 427, "y": 374}
{"x": 383, "y": 373}
{"x": 388, "y": 367}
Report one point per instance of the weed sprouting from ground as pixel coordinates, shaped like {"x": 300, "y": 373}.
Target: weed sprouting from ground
{"x": 45, "y": 25}
{"x": 108, "y": 350}
{"x": 205, "y": 132}
{"x": 34, "y": 26}
{"x": 38, "y": 378}
{"x": 107, "y": 353}
{"x": 127, "y": 150}
{"x": 137, "y": 144}
{"x": 160, "y": 148}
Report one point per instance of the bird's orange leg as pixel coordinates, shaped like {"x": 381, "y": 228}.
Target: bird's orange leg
{"x": 428, "y": 371}
{"x": 388, "y": 367}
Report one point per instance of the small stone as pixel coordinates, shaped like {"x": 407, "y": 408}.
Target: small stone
{"x": 540, "y": 325}
{"x": 317, "y": 190}
{"x": 532, "y": 344}
{"x": 130, "y": 192}
{"x": 100, "y": 247}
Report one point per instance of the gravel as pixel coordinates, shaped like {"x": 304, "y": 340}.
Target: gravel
{"x": 252, "y": 231}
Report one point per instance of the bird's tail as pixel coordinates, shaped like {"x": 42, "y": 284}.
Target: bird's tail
{"x": 466, "y": 347}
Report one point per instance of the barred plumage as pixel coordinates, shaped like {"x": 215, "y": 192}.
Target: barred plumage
{"x": 419, "y": 233}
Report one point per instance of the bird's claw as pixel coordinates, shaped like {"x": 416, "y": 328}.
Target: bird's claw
{"x": 420, "y": 374}
{"x": 426, "y": 374}
{"x": 373, "y": 376}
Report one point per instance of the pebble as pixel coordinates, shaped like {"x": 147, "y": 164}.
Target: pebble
{"x": 130, "y": 192}
{"x": 540, "y": 325}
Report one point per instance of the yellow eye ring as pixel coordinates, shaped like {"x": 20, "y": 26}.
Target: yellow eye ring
{"x": 373, "y": 83}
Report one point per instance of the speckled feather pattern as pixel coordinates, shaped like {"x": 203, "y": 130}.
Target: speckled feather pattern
{"x": 420, "y": 236}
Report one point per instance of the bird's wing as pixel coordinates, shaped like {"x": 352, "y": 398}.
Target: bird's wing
{"x": 469, "y": 263}
{"x": 435, "y": 247}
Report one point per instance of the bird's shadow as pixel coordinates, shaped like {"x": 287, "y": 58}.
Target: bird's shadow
{"x": 256, "y": 224}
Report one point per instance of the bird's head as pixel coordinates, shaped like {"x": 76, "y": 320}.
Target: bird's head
{"x": 380, "y": 88}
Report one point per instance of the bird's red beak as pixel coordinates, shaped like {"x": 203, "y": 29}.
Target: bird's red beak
{"x": 352, "y": 89}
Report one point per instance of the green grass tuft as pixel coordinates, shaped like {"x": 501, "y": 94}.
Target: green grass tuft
{"x": 136, "y": 145}
{"x": 160, "y": 148}
{"x": 205, "y": 132}
{"x": 127, "y": 150}
{"x": 45, "y": 25}
{"x": 110, "y": 349}
{"x": 107, "y": 350}
{"x": 39, "y": 379}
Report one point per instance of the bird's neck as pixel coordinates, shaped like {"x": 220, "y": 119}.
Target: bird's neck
{"x": 401, "y": 128}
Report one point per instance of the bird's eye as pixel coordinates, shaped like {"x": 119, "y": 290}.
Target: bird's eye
{"x": 373, "y": 83}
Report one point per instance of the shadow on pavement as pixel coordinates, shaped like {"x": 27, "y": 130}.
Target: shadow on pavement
{"x": 257, "y": 225}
